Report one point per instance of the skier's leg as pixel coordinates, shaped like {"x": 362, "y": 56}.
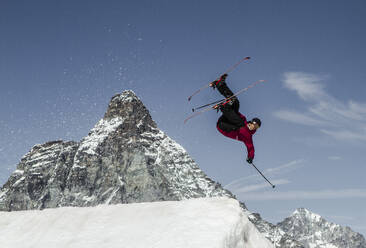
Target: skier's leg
{"x": 235, "y": 104}
{"x": 226, "y": 92}
{"x": 231, "y": 118}
{"x": 222, "y": 87}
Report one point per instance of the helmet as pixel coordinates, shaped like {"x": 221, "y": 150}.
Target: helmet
{"x": 256, "y": 120}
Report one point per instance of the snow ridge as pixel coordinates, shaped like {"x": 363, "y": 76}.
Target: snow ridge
{"x": 194, "y": 223}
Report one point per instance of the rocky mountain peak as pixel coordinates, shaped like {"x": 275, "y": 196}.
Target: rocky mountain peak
{"x": 124, "y": 158}
{"x": 312, "y": 230}
{"x": 130, "y": 108}
{"x": 305, "y": 214}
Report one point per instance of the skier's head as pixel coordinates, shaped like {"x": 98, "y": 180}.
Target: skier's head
{"x": 254, "y": 124}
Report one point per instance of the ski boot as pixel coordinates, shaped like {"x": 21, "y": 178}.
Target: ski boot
{"x": 215, "y": 84}
{"x": 226, "y": 104}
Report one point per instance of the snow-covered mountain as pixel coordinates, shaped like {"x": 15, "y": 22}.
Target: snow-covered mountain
{"x": 195, "y": 223}
{"x": 125, "y": 158}
{"x": 274, "y": 233}
{"x": 314, "y": 231}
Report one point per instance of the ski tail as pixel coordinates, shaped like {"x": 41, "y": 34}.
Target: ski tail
{"x": 198, "y": 91}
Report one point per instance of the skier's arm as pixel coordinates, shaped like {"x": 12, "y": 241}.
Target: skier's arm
{"x": 250, "y": 148}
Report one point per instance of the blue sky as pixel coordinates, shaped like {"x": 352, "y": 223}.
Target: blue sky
{"x": 61, "y": 62}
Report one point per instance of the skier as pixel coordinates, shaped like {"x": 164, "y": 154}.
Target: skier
{"x": 232, "y": 123}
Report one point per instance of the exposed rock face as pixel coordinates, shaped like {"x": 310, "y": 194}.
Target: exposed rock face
{"x": 274, "y": 233}
{"x": 40, "y": 178}
{"x": 125, "y": 158}
{"x": 313, "y": 231}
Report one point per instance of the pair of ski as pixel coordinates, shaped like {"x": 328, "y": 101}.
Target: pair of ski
{"x": 209, "y": 106}
{"x": 216, "y": 104}
{"x": 207, "y": 86}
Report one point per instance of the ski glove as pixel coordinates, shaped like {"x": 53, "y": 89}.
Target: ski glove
{"x": 249, "y": 160}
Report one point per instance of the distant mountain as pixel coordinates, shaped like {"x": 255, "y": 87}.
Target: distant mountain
{"x": 274, "y": 233}
{"x": 315, "y": 232}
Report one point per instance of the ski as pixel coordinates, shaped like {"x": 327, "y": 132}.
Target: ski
{"x": 226, "y": 72}
{"x": 220, "y": 102}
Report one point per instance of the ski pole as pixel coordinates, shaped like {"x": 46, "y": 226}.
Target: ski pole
{"x": 208, "y": 104}
{"x": 273, "y": 186}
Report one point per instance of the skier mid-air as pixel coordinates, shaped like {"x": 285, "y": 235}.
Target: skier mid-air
{"x": 232, "y": 123}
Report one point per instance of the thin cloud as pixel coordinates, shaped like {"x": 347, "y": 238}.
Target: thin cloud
{"x": 330, "y": 115}
{"x": 256, "y": 187}
{"x": 305, "y": 195}
{"x": 340, "y": 218}
{"x": 355, "y": 227}
{"x": 299, "y": 118}
{"x": 334, "y": 158}
{"x": 359, "y": 108}
{"x": 306, "y": 85}
{"x": 247, "y": 181}
{"x": 345, "y": 134}
{"x": 285, "y": 167}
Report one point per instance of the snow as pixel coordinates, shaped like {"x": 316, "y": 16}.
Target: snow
{"x": 3, "y": 193}
{"x": 194, "y": 223}
{"x": 43, "y": 150}
{"x": 307, "y": 214}
{"x": 19, "y": 172}
{"x": 127, "y": 96}
{"x": 98, "y": 134}
{"x": 18, "y": 182}
{"x": 320, "y": 244}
